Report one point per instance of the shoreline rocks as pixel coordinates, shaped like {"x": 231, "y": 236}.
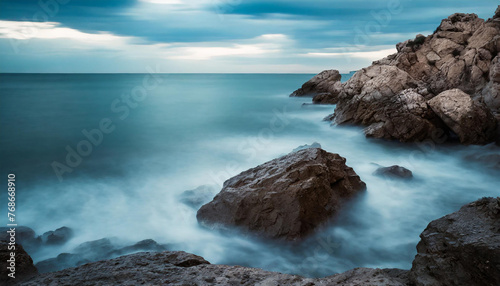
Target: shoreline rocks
{"x": 286, "y": 198}
{"x": 395, "y": 97}
{"x": 462, "y": 248}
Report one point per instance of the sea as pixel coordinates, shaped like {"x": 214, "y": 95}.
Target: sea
{"x": 109, "y": 155}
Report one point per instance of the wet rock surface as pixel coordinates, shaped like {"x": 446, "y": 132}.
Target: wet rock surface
{"x": 462, "y": 248}
{"x": 286, "y": 198}
{"x": 180, "y": 268}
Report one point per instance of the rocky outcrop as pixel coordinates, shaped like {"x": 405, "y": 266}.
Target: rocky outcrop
{"x": 390, "y": 97}
{"x": 394, "y": 172}
{"x": 180, "y": 268}
{"x": 462, "y": 248}
{"x": 23, "y": 266}
{"x": 326, "y": 83}
{"x": 286, "y": 198}
{"x": 473, "y": 123}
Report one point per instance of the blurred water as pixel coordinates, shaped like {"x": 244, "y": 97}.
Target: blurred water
{"x": 201, "y": 129}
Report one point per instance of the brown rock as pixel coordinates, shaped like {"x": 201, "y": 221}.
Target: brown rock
{"x": 286, "y": 198}
{"x": 472, "y": 122}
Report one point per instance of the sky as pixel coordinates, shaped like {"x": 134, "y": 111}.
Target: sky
{"x": 213, "y": 36}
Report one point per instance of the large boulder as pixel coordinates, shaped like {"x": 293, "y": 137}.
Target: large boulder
{"x": 286, "y": 198}
{"x": 472, "y": 122}
{"x": 327, "y": 82}
{"x": 462, "y": 248}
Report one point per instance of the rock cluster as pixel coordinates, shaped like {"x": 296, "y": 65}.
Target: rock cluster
{"x": 395, "y": 98}
{"x": 462, "y": 248}
{"x": 286, "y": 198}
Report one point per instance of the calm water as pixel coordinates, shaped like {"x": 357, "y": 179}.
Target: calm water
{"x": 192, "y": 130}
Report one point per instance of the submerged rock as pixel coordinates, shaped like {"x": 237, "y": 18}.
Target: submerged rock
{"x": 286, "y": 198}
{"x": 395, "y": 172}
{"x": 462, "y": 248}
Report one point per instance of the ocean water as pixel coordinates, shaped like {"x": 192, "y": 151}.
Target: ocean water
{"x": 180, "y": 131}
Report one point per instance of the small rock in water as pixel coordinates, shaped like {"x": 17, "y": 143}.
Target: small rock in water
{"x": 396, "y": 172}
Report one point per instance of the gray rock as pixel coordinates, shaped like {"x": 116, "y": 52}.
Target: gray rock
{"x": 286, "y": 198}
{"x": 462, "y": 248}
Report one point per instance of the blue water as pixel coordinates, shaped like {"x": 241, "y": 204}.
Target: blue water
{"x": 198, "y": 129}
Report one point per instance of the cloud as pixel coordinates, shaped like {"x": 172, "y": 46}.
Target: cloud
{"x": 214, "y": 35}
{"x": 372, "y": 55}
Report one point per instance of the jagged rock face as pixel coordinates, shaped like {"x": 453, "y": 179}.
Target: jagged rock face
{"x": 462, "y": 53}
{"x": 24, "y": 268}
{"x": 472, "y": 122}
{"x": 462, "y": 248}
{"x": 325, "y": 82}
{"x": 180, "y": 268}
{"x": 286, "y": 198}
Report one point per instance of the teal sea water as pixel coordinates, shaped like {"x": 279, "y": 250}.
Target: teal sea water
{"x": 186, "y": 130}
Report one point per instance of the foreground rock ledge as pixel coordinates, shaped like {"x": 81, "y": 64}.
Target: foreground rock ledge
{"x": 286, "y": 198}
{"x": 181, "y": 268}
